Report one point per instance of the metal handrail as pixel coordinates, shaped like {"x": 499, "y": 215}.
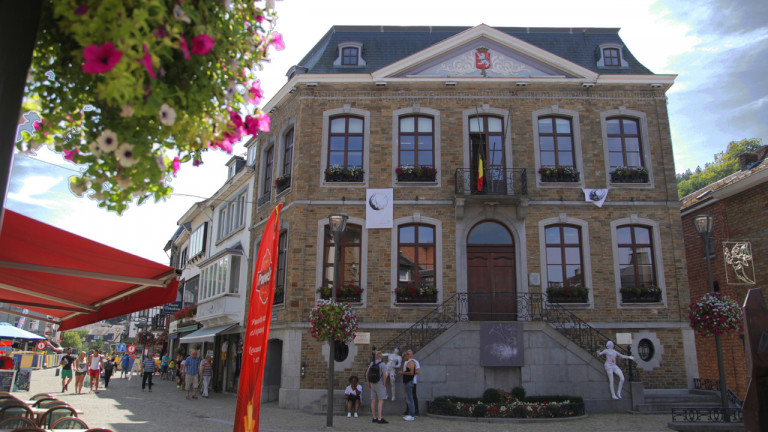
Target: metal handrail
{"x": 530, "y": 307}
{"x": 714, "y": 385}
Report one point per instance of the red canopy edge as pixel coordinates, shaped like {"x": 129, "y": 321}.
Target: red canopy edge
{"x": 74, "y": 280}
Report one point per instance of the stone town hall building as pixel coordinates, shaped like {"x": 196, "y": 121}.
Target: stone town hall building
{"x": 416, "y": 110}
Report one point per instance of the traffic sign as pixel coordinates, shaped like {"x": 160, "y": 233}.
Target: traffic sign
{"x": 131, "y": 349}
{"x": 40, "y": 345}
{"x": 120, "y": 348}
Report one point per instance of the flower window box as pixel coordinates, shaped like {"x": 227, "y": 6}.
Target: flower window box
{"x": 412, "y": 293}
{"x": 339, "y": 174}
{"x": 282, "y": 183}
{"x": 569, "y": 294}
{"x": 629, "y": 175}
{"x": 646, "y": 294}
{"x": 416, "y": 174}
{"x": 560, "y": 174}
{"x": 347, "y": 293}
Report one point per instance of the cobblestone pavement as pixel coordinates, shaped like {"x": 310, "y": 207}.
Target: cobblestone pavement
{"x": 125, "y": 408}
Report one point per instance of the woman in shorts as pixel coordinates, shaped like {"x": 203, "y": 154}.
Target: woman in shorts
{"x": 81, "y": 368}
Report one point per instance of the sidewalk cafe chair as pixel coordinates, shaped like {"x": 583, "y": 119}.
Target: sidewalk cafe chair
{"x": 41, "y": 396}
{"x": 16, "y": 422}
{"x": 39, "y": 402}
{"x": 51, "y": 403}
{"x": 54, "y": 414}
{"x": 69, "y": 423}
{"x": 29, "y": 429}
{"x": 19, "y": 409}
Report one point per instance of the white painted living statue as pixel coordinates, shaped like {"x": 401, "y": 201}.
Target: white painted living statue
{"x": 612, "y": 368}
{"x": 394, "y": 361}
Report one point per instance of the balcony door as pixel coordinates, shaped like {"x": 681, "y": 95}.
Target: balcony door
{"x": 486, "y": 143}
{"x": 491, "y": 273}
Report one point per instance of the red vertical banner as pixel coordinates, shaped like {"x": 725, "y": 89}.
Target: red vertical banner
{"x": 257, "y": 327}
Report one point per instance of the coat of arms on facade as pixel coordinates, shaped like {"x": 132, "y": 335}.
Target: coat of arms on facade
{"x": 482, "y": 58}
{"x": 739, "y": 268}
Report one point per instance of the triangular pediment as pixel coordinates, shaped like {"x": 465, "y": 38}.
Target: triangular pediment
{"x": 483, "y": 51}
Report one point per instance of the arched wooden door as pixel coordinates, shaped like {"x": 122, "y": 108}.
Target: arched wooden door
{"x": 491, "y": 275}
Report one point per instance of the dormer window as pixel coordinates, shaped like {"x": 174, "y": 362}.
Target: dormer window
{"x": 350, "y": 55}
{"x": 611, "y": 56}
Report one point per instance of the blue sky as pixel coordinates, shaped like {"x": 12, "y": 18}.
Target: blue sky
{"x": 718, "y": 49}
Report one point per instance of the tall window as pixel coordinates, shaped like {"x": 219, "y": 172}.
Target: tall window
{"x": 269, "y": 160}
{"x": 556, "y": 141}
{"x": 636, "y": 256}
{"x": 487, "y": 141}
{"x": 416, "y": 255}
{"x": 417, "y": 141}
{"x": 221, "y": 277}
{"x": 349, "y": 266}
{"x": 232, "y": 215}
{"x": 349, "y": 56}
{"x": 564, "y": 256}
{"x": 287, "y": 152}
{"x": 282, "y": 254}
{"x": 189, "y": 297}
{"x": 624, "y": 146}
{"x": 611, "y": 57}
{"x": 346, "y": 142}
{"x": 197, "y": 241}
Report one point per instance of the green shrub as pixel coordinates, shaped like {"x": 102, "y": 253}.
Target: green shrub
{"x": 492, "y": 396}
{"x": 518, "y": 393}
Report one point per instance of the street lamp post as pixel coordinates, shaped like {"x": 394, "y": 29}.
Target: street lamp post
{"x": 337, "y": 224}
{"x": 703, "y": 225}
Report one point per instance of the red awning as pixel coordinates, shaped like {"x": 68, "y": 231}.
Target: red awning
{"x": 75, "y": 280}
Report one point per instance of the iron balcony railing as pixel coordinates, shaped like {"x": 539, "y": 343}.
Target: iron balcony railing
{"x": 714, "y": 385}
{"x": 527, "y": 307}
{"x": 708, "y": 415}
{"x": 496, "y": 181}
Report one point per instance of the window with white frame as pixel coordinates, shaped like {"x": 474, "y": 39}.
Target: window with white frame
{"x": 346, "y": 136}
{"x": 557, "y": 145}
{"x": 611, "y": 56}
{"x": 638, "y": 263}
{"x": 627, "y": 148}
{"x": 566, "y": 267}
{"x": 197, "y": 241}
{"x": 220, "y": 277}
{"x": 232, "y": 215}
{"x": 189, "y": 298}
{"x": 350, "y": 55}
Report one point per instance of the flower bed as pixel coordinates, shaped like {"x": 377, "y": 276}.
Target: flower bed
{"x": 529, "y": 408}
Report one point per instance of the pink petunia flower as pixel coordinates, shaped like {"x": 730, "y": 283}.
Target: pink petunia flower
{"x": 184, "y": 47}
{"x": 176, "y": 165}
{"x": 147, "y": 62}
{"x": 82, "y": 10}
{"x": 256, "y": 93}
{"x": 277, "y": 41}
{"x": 100, "y": 58}
{"x": 263, "y": 124}
{"x": 236, "y": 119}
{"x": 70, "y": 154}
{"x": 202, "y": 45}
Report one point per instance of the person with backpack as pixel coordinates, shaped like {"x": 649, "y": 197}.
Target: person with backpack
{"x": 376, "y": 377}
{"x": 109, "y": 368}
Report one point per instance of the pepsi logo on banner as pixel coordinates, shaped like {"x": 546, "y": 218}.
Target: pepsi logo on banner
{"x": 131, "y": 349}
{"x": 40, "y": 345}
{"x": 264, "y": 278}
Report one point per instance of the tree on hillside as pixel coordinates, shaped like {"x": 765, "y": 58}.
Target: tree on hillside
{"x": 725, "y": 164}
{"x": 72, "y": 340}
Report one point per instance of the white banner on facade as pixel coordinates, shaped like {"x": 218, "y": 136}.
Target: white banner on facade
{"x": 595, "y": 196}
{"x": 379, "y": 208}
{"x": 739, "y": 265}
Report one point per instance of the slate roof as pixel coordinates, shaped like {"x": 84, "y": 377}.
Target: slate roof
{"x": 384, "y": 45}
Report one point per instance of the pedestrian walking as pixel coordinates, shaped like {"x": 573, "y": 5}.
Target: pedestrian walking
{"x": 164, "y": 365}
{"x": 191, "y": 370}
{"x": 95, "y": 364}
{"x": 125, "y": 365}
{"x": 66, "y": 369}
{"x": 376, "y": 377}
{"x": 81, "y": 368}
{"x": 148, "y": 368}
{"x": 206, "y": 371}
{"x": 109, "y": 368}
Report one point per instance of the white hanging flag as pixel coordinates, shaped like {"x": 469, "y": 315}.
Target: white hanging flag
{"x": 595, "y": 196}
{"x": 379, "y": 208}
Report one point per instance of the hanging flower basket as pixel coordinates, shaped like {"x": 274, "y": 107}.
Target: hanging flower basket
{"x": 330, "y": 320}
{"x": 129, "y": 92}
{"x": 715, "y": 314}
{"x": 145, "y": 338}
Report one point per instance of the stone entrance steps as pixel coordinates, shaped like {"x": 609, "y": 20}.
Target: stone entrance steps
{"x": 662, "y": 401}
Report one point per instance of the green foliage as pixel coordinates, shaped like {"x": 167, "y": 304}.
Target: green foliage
{"x": 72, "y": 340}
{"x": 725, "y": 164}
{"x": 518, "y": 393}
{"x": 492, "y": 395}
{"x": 170, "y": 86}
